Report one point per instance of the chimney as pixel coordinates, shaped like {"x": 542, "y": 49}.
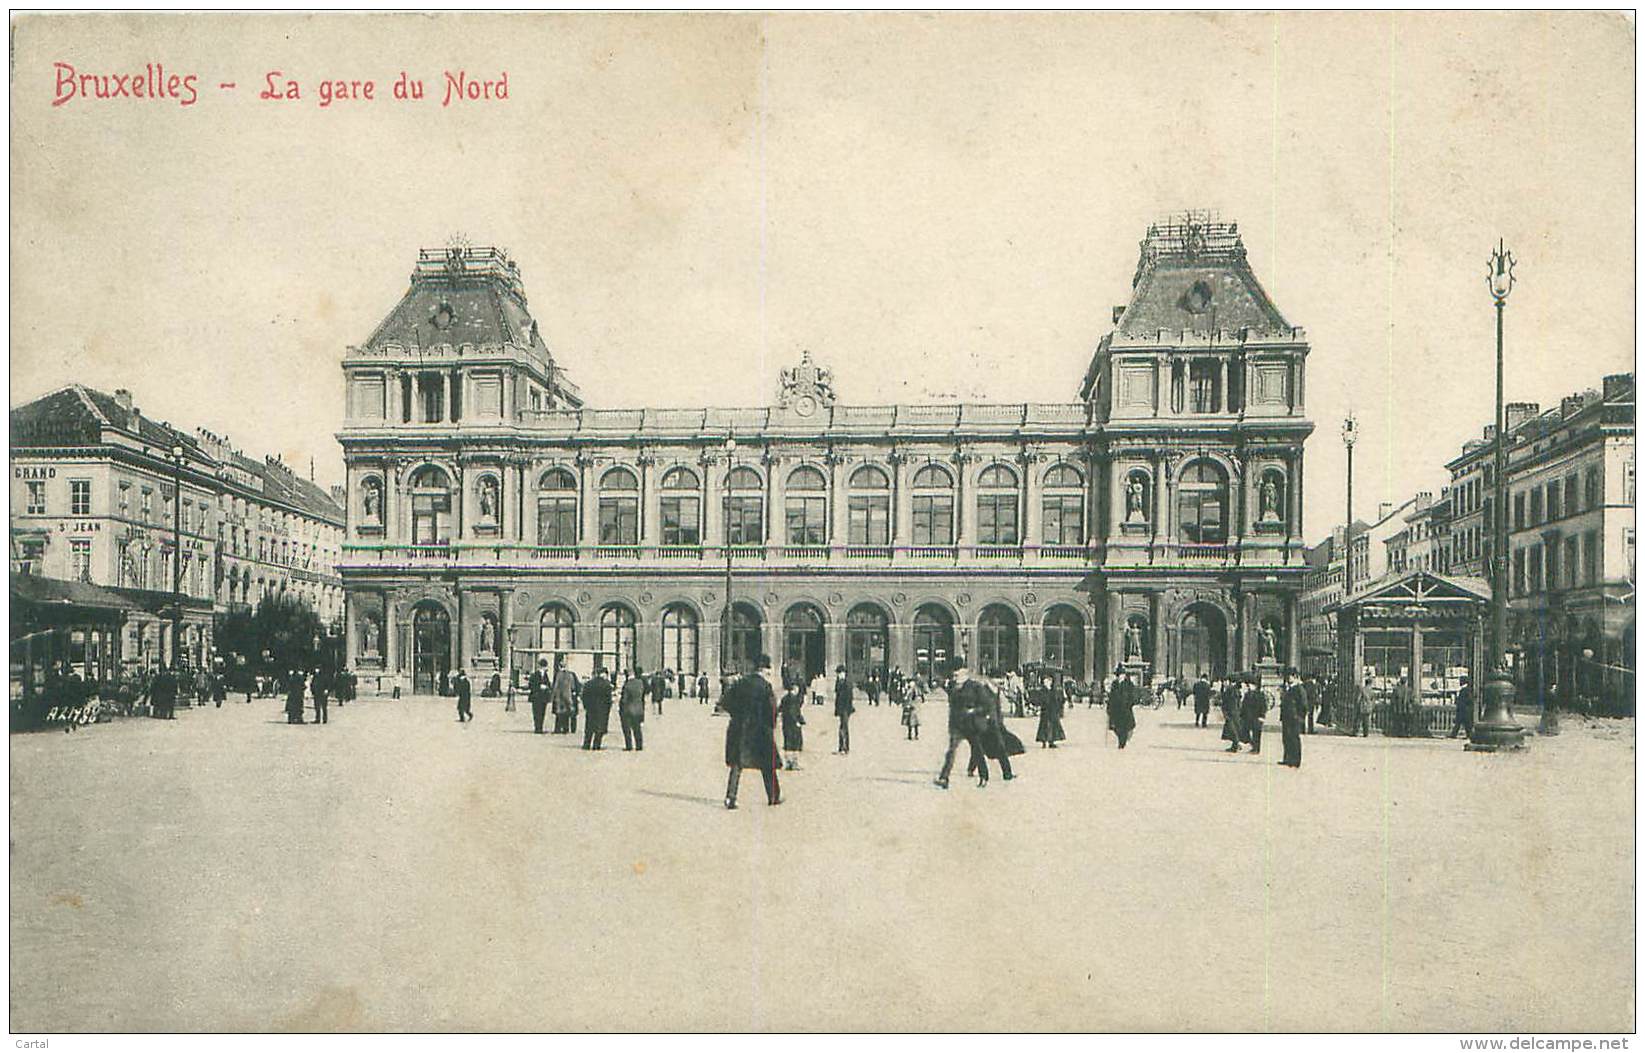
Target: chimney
{"x": 1569, "y": 405}
{"x": 1384, "y": 510}
{"x": 1617, "y": 386}
{"x": 1424, "y": 499}
{"x": 1517, "y": 413}
{"x": 122, "y": 396}
{"x": 1490, "y": 433}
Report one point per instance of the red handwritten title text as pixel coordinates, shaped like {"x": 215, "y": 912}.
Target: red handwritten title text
{"x": 457, "y": 87}
{"x": 151, "y": 83}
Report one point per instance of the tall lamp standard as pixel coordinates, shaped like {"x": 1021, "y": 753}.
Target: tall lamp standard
{"x": 177, "y": 555}
{"x": 725, "y": 537}
{"x": 1495, "y": 729}
{"x": 1350, "y": 434}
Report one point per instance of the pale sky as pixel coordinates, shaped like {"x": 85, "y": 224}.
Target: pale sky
{"x": 936, "y": 206}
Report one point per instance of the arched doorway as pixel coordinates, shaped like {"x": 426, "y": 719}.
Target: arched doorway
{"x": 1204, "y": 643}
{"x": 744, "y": 639}
{"x": 867, "y": 642}
{"x": 996, "y": 640}
{"x": 933, "y": 641}
{"x": 1065, "y": 641}
{"x": 617, "y": 635}
{"x": 804, "y": 649}
{"x": 430, "y": 648}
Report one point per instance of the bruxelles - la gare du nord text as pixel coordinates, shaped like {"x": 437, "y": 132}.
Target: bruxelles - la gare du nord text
{"x": 152, "y": 82}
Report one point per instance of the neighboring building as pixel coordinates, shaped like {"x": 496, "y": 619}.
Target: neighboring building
{"x": 93, "y": 486}
{"x": 1421, "y": 543}
{"x": 1322, "y": 588}
{"x": 1155, "y": 521}
{"x": 1571, "y": 488}
{"x": 1473, "y": 474}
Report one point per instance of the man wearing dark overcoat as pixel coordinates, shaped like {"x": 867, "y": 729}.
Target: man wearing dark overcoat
{"x": 538, "y": 687}
{"x": 631, "y": 710}
{"x": 294, "y": 698}
{"x": 750, "y": 734}
{"x": 1253, "y": 707}
{"x": 1121, "y": 701}
{"x": 1465, "y": 709}
{"x": 969, "y": 707}
{"x": 1293, "y": 712}
{"x": 1202, "y": 701}
{"x": 596, "y": 710}
{"x": 843, "y": 707}
{"x": 1230, "y": 703}
{"x": 464, "y": 690}
{"x": 563, "y": 697}
{"x": 1311, "y": 688}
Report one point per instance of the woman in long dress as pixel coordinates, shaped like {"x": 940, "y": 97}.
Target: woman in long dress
{"x": 793, "y": 718}
{"x": 1049, "y": 700}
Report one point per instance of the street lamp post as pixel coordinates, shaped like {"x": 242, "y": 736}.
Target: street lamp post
{"x": 725, "y": 539}
{"x": 176, "y": 556}
{"x": 1496, "y": 729}
{"x": 1350, "y": 434}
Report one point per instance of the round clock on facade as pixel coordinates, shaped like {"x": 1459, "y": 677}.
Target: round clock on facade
{"x": 805, "y": 405}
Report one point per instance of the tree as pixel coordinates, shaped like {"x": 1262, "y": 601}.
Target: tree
{"x": 282, "y": 627}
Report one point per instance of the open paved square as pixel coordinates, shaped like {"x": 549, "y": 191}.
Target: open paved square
{"x": 397, "y": 870}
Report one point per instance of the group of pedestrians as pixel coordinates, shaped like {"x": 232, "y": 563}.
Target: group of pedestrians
{"x": 317, "y": 687}
{"x": 566, "y": 694}
{"x": 1245, "y": 706}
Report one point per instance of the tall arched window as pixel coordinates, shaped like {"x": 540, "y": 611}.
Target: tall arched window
{"x": 1062, "y": 507}
{"x": 619, "y": 508}
{"x": 805, "y": 507}
{"x": 869, "y": 507}
{"x": 430, "y": 506}
{"x": 617, "y": 634}
{"x": 557, "y": 508}
{"x": 680, "y": 635}
{"x": 681, "y": 507}
{"x": 933, "y": 506}
{"x": 1202, "y": 504}
{"x": 745, "y": 639}
{"x": 997, "y": 640}
{"x": 1065, "y": 640}
{"x": 997, "y": 504}
{"x": 556, "y": 629}
{"x": 745, "y": 508}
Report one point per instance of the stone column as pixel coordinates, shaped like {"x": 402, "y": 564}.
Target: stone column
{"x": 1156, "y": 629}
{"x": 505, "y": 635}
{"x": 519, "y": 499}
{"x": 459, "y": 631}
{"x": 1416, "y": 661}
{"x": 1162, "y": 485}
{"x": 1293, "y": 493}
{"x": 649, "y": 510}
{"x": 713, "y": 532}
{"x": 461, "y": 479}
{"x": 1293, "y": 643}
{"x": 776, "y": 499}
{"x": 839, "y": 524}
{"x": 1031, "y": 490}
{"x": 902, "y": 517}
{"x": 962, "y": 522}
{"x": 833, "y": 644}
{"x": 587, "y": 501}
{"x": 351, "y": 635}
{"x": 391, "y": 635}
{"x": 1116, "y": 496}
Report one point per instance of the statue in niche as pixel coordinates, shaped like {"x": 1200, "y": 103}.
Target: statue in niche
{"x": 1133, "y": 641}
{"x": 1269, "y": 500}
{"x": 1268, "y": 643}
{"x": 488, "y": 636}
{"x": 1135, "y": 500}
{"x": 488, "y": 500}
{"x": 368, "y": 630}
{"x": 373, "y": 501}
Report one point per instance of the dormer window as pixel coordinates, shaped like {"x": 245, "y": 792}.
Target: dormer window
{"x": 443, "y": 317}
{"x": 1198, "y": 298}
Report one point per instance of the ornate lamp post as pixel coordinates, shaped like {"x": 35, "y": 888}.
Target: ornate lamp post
{"x": 725, "y": 538}
{"x": 1350, "y": 435}
{"x": 1496, "y": 729}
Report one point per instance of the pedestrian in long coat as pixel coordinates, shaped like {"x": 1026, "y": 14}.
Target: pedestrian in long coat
{"x": 1049, "y": 702}
{"x": 1121, "y": 701}
{"x": 1293, "y": 714}
{"x": 1464, "y": 710}
{"x": 631, "y": 711}
{"x": 843, "y": 708}
{"x": 539, "y": 689}
{"x": 294, "y": 698}
{"x": 996, "y": 739}
{"x": 1253, "y": 707}
{"x": 793, "y": 719}
{"x": 1202, "y": 701}
{"x": 1230, "y": 699}
{"x": 464, "y": 690}
{"x": 970, "y": 708}
{"x": 563, "y": 696}
{"x": 596, "y": 710}
{"x": 750, "y": 734}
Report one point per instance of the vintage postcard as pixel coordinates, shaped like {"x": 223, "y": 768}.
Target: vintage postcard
{"x": 1057, "y": 522}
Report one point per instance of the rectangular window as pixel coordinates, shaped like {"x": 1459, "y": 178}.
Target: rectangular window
{"x": 557, "y": 521}
{"x": 125, "y": 499}
{"x": 1205, "y": 392}
{"x": 80, "y": 558}
{"x": 933, "y": 520}
{"x": 1519, "y": 572}
{"x": 997, "y": 519}
{"x": 1553, "y": 500}
{"x": 745, "y": 521}
{"x": 1533, "y": 570}
{"x": 80, "y": 497}
{"x": 619, "y": 521}
{"x": 804, "y": 517}
{"x": 1536, "y": 506}
{"x": 870, "y": 520}
{"x": 37, "y": 498}
{"x": 1570, "y": 562}
{"x": 682, "y": 521}
{"x": 1628, "y": 482}
{"x": 1590, "y": 557}
{"x": 1062, "y": 520}
{"x": 1591, "y": 484}
{"x": 33, "y": 550}
{"x": 1571, "y": 505}
{"x": 1519, "y": 510}
{"x": 1551, "y": 555}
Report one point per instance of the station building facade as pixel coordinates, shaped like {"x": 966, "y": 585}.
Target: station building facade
{"x": 1155, "y": 521}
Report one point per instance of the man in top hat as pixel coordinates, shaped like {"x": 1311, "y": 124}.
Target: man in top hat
{"x": 843, "y": 707}
{"x": 1253, "y": 707}
{"x": 751, "y": 733}
{"x": 538, "y": 689}
{"x": 1293, "y": 713}
{"x": 1465, "y": 709}
{"x": 970, "y": 706}
{"x": 1121, "y": 701}
{"x": 464, "y": 690}
{"x": 1230, "y": 703}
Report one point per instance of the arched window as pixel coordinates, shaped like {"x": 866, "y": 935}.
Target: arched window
{"x": 997, "y": 504}
{"x": 557, "y": 508}
{"x": 1062, "y": 507}
{"x": 430, "y": 507}
{"x": 867, "y": 643}
{"x": 557, "y": 629}
{"x": 617, "y": 634}
{"x": 869, "y": 507}
{"x": 933, "y": 641}
{"x": 745, "y": 508}
{"x": 1202, "y": 504}
{"x": 805, "y": 507}
{"x": 997, "y": 640}
{"x": 1065, "y": 640}
{"x": 680, "y": 635}
{"x": 619, "y": 508}
{"x": 933, "y": 506}
{"x": 681, "y": 508}
{"x": 745, "y": 644}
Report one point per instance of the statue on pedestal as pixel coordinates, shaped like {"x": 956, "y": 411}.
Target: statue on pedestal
{"x": 1269, "y": 501}
{"x": 1135, "y": 512}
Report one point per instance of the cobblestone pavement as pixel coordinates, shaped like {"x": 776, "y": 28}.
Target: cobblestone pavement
{"x": 395, "y": 870}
